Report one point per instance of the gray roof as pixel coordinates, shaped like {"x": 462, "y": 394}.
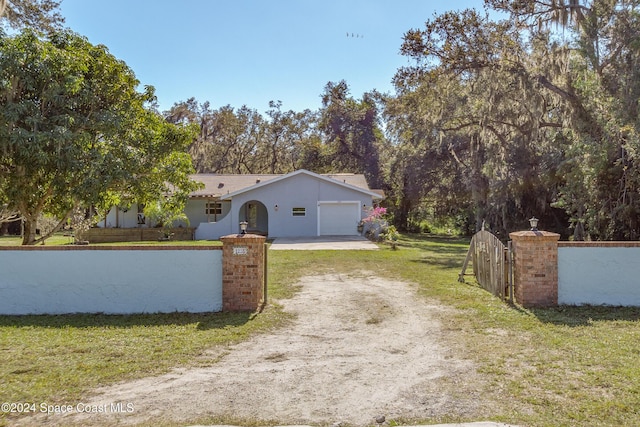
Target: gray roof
{"x": 219, "y": 185}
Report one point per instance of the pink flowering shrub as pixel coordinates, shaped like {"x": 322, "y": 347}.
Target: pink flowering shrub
{"x": 374, "y": 223}
{"x": 375, "y": 215}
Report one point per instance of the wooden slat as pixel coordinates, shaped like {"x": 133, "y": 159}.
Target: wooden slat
{"x": 466, "y": 261}
{"x": 488, "y": 254}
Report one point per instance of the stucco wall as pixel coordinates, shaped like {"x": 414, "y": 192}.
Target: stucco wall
{"x": 214, "y": 230}
{"x": 296, "y": 191}
{"x": 195, "y": 209}
{"x": 48, "y": 280}
{"x": 118, "y": 217}
{"x": 302, "y": 191}
{"x": 599, "y": 274}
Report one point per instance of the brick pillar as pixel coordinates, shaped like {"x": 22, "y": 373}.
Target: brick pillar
{"x": 242, "y": 272}
{"x": 535, "y": 275}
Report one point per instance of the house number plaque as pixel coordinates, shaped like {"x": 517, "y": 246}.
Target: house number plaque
{"x": 240, "y": 250}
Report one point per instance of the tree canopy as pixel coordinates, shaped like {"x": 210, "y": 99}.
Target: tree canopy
{"x": 344, "y": 135}
{"x": 529, "y": 108}
{"x": 74, "y": 131}
{"x": 42, "y": 15}
{"x": 538, "y": 112}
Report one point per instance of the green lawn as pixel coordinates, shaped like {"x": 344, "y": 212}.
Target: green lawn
{"x": 566, "y": 366}
{"x": 57, "y": 239}
{"x": 61, "y": 239}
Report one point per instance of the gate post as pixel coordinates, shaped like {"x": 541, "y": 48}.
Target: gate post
{"x": 243, "y": 272}
{"x": 535, "y": 255}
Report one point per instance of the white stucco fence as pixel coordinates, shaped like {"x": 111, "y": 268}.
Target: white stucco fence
{"x": 599, "y": 274}
{"x": 112, "y": 280}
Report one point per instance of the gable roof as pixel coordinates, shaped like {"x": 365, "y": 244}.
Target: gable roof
{"x": 218, "y": 185}
{"x": 225, "y": 186}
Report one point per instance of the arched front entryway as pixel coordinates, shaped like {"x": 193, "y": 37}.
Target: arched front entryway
{"x": 256, "y": 215}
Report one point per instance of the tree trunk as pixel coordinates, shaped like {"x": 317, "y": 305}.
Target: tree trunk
{"x": 402, "y": 219}
{"x": 403, "y": 215}
{"x": 30, "y": 225}
{"x": 479, "y": 182}
{"x": 29, "y": 233}
{"x": 480, "y": 210}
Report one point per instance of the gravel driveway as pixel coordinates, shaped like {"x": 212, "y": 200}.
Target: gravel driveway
{"x": 361, "y": 346}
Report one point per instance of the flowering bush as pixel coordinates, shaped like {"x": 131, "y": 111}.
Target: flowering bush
{"x": 375, "y": 222}
{"x": 375, "y": 215}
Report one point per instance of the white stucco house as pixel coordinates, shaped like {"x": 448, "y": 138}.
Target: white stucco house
{"x": 300, "y": 203}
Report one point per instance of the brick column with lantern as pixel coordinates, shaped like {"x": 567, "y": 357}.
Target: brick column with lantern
{"x": 243, "y": 257}
{"x": 535, "y": 276}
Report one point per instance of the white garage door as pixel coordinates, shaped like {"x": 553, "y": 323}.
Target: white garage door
{"x": 338, "y": 219}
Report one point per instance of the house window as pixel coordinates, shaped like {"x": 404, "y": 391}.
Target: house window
{"x": 299, "y": 211}
{"x": 213, "y": 208}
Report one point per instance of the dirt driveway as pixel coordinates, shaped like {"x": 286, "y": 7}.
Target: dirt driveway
{"x": 361, "y": 346}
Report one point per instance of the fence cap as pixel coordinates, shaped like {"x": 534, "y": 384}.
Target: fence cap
{"x": 534, "y": 235}
{"x": 243, "y": 237}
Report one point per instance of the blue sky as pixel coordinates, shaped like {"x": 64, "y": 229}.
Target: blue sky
{"x": 248, "y": 52}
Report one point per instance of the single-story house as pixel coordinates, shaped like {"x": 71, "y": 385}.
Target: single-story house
{"x": 300, "y": 203}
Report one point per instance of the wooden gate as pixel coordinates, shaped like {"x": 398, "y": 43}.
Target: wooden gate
{"x": 492, "y": 266}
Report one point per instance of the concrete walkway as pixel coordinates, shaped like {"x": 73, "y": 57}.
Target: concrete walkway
{"x": 323, "y": 243}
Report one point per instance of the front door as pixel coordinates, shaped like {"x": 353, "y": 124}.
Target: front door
{"x": 256, "y": 215}
{"x": 252, "y": 216}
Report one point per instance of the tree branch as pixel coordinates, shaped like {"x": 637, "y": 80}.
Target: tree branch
{"x": 544, "y": 82}
{"x": 56, "y": 228}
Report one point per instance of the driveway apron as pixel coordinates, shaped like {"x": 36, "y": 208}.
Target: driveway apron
{"x": 323, "y": 243}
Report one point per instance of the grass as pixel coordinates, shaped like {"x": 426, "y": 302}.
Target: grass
{"x": 51, "y": 358}
{"x": 57, "y": 239}
{"x": 163, "y": 243}
{"x": 562, "y": 366}
{"x": 61, "y": 239}
{"x": 56, "y": 359}
{"x": 566, "y": 366}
